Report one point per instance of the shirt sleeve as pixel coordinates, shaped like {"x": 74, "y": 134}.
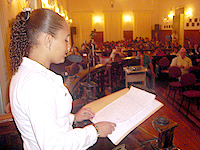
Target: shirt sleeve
{"x": 112, "y": 55}
{"x": 71, "y": 118}
{"x": 173, "y": 63}
{"x": 190, "y": 63}
{"x": 51, "y": 129}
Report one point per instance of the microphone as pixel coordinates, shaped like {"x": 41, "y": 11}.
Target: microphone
{"x": 74, "y": 58}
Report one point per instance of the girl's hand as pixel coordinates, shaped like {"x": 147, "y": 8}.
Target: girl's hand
{"x": 84, "y": 114}
{"x": 105, "y": 128}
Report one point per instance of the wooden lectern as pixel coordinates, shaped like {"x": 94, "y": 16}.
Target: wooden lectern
{"x": 165, "y": 127}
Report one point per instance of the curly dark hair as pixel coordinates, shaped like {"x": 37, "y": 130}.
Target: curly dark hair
{"x": 19, "y": 46}
{"x": 25, "y": 31}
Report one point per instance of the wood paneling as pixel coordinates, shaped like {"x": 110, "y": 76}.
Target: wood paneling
{"x": 128, "y": 35}
{"x": 98, "y": 37}
{"x": 193, "y": 36}
{"x": 161, "y": 34}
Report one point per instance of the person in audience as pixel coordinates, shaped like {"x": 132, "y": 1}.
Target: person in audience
{"x": 159, "y": 52}
{"x": 182, "y": 61}
{"x": 75, "y": 51}
{"x": 168, "y": 38}
{"x": 141, "y": 47}
{"x": 145, "y": 61}
{"x": 75, "y": 67}
{"x": 174, "y": 37}
{"x": 191, "y": 54}
{"x": 175, "y": 51}
{"x": 84, "y": 50}
{"x": 190, "y": 50}
{"x": 175, "y": 44}
{"x": 116, "y": 54}
{"x": 167, "y": 45}
{"x": 40, "y": 103}
{"x": 195, "y": 50}
{"x": 198, "y": 56}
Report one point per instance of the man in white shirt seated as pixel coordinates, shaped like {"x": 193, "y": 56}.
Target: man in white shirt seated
{"x": 116, "y": 52}
{"x": 182, "y": 61}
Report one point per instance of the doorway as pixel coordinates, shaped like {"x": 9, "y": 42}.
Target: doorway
{"x": 128, "y": 35}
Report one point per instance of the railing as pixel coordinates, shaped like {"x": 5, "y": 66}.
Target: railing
{"x": 97, "y": 75}
{"x": 105, "y": 75}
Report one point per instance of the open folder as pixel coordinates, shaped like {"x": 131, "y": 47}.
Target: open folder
{"x": 128, "y": 111}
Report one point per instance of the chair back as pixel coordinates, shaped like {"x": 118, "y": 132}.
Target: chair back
{"x": 104, "y": 60}
{"x": 174, "y": 72}
{"x": 164, "y": 62}
{"x": 188, "y": 79}
{"x": 118, "y": 57}
{"x": 194, "y": 68}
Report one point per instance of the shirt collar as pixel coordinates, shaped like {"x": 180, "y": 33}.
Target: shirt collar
{"x": 36, "y": 66}
{"x": 27, "y": 62}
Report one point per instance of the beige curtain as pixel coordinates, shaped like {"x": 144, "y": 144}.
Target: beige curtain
{"x": 142, "y": 26}
{"x": 113, "y": 26}
{"x": 83, "y": 24}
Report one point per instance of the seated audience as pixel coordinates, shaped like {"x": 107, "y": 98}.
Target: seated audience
{"x": 159, "y": 52}
{"x": 182, "y": 61}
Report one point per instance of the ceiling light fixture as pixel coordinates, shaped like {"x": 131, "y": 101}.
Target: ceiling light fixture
{"x": 112, "y": 4}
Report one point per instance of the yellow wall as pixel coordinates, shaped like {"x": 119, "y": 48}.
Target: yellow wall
{"x": 142, "y": 26}
{"x": 82, "y": 22}
{"x": 112, "y": 24}
{"x": 8, "y": 11}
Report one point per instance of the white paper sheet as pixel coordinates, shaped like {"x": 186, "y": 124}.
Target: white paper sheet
{"x": 128, "y": 111}
{"x": 124, "y": 128}
{"x": 125, "y": 106}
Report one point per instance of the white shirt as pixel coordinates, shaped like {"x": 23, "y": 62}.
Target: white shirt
{"x": 112, "y": 55}
{"x": 178, "y": 61}
{"x": 41, "y": 107}
{"x": 174, "y": 36}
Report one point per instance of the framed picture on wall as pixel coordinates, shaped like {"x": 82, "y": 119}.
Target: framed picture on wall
{"x": 193, "y": 24}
